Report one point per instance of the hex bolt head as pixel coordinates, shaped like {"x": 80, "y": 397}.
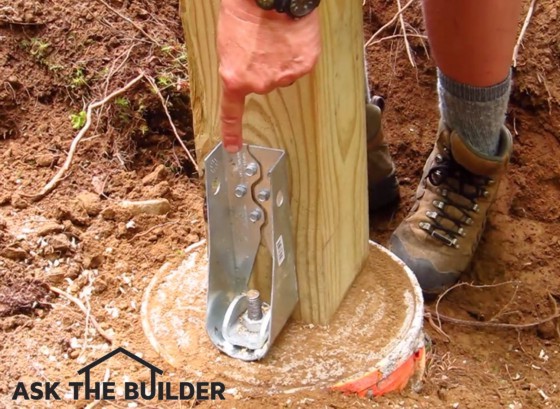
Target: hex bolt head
{"x": 263, "y": 195}
{"x": 254, "y": 306}
{"x": 240, "y": 191}
{"x": 251, "y": 169}
{"x": 255, "y": 215}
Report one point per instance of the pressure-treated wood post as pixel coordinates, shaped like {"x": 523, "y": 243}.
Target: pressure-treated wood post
{"x": 319, "y": 121}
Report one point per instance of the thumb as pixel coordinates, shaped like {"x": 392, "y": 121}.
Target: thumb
{"x": 231, "y": 116}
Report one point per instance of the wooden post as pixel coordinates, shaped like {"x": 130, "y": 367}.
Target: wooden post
{"x": 320, "y": 122}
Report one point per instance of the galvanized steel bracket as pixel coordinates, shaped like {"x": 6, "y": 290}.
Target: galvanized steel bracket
{"x": 247, "y": 198}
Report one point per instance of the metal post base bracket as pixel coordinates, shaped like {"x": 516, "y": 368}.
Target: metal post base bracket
{"x": 247, "y": 195}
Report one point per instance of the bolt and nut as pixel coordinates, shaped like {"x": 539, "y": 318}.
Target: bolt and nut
{"x": 255, "y": 215}
{"x": 254, "y": 308}
{"x": 240, "y": 191}
{"x": 263, "y": 195}
{"x": 251, "y": 169}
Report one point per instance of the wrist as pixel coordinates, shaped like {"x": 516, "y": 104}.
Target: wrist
{"x": 294, "y": 8}
{"x": 249, "y": 10}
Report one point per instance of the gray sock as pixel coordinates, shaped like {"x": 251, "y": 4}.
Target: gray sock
{"x": 475, "y": 113}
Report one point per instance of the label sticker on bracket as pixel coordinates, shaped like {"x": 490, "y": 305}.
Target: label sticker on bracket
{"x": 280, "y": 254}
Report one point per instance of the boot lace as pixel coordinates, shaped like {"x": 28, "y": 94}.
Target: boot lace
{"x": 459, "y": 191}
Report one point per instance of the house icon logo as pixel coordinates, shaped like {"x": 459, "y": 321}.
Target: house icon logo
{"x": 154, "y": 370}
{"x": 91, "y": 389}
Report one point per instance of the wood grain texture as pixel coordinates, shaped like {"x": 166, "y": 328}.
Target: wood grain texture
{"x": 320, "y": 123}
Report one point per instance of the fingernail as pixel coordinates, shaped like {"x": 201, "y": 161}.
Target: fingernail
{"x": 232, "y": 148}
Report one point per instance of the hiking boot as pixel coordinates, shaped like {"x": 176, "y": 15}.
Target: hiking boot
{"x": 383, "y": 187}
{"x": 438, "y": 238}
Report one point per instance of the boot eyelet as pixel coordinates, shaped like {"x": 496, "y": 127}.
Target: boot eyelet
{"x": 439, "y": 158}
{"x": 449, "y": 241}
{"x": 476, "y": 208}
{"x": 439, "y": 204}
{"x": 432, "y": 215}
{"x": 426, "y": 227}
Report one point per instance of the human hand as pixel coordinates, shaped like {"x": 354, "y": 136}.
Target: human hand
{"x": 259, "y": 51}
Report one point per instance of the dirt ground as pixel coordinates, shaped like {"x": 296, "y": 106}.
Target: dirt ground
{"x": 56, "y": 56}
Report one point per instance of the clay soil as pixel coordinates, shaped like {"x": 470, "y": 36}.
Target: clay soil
{"x": 56, "y": 56}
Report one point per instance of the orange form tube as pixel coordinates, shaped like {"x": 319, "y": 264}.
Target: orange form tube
{"x": 376, "y": 383}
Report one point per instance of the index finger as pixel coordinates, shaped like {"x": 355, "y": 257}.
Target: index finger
{"x": 231, "y": 116}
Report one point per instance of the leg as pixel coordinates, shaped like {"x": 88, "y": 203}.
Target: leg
{"x": 383, "y": 187}
{"x": 472, "y": 43}
{"x": 472, "y": 40}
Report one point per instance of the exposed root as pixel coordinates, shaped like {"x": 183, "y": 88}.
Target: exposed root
{"x": 392, "y": 37}
{"x": 388, "y": 24}
{"x": 128, "y": 20}
{"x": 405, "y": 38}
{"x": 164, "y": 105}
{"x": 83, "y": 308}
{"x": 523, "y": 30}
{"x": 89, "y": 112}
{"x": 485, "y": 324}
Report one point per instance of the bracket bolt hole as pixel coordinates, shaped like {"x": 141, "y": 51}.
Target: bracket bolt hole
{"x": 279, "y": 199}
{"x": 215, "y": 186}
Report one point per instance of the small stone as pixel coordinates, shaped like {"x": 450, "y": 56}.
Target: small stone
{"x": 56, "y": 276}
{"x": 19, "y": 202}
{"x": 192, "y": 238}
{"x": 60, "y": 243}
{"x": 93, "y": 261}
{"x": 76, "y": 214}
{"x": 157, "y": 175}
{"x": 5, "y": 199}
{"x": 46, "y": 160}
{"x": 29, "y": 18}
{"x": 90, "y": 202}
{"x": 72, "y": 272}
{"x": 547, "y": 330}
{"x": 74, "y": 354}
{"x": 143, "y": 13}
{"x": 99, "y": 286}
{"x": 12, "y": 79}
{"x": 154, "y": 206}
{"x": 162, "y": 189}
{"x": 121, "y": 230}
{"x": 14, "y": 253}
{"x": 108, "y": 213}
{"x": 49, "y": 227}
